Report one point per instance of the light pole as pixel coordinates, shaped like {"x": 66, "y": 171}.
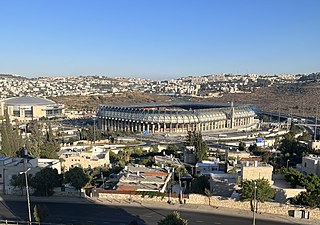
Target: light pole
{"x": 288, "y": 163}
{"x": 254, "y": 202}
{"x": 28, "y": 197}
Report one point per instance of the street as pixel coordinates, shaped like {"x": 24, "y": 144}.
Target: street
{"x": 75, "y": 213}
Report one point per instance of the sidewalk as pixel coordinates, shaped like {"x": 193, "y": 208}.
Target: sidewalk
{"x": 209, "y": 209}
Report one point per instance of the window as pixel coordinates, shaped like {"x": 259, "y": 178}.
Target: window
{"x": 305, "y": 164}
{"x": 16, "y": 113}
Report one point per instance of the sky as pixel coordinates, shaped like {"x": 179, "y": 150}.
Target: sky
{"x": 158, "y": 39}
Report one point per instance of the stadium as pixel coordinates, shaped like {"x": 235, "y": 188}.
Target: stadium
{"x": 174, "y": 117}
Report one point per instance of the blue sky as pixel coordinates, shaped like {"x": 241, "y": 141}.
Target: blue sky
{"x": 159, "y": 39}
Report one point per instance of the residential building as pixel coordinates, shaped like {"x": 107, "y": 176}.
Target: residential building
{"x": 140, "y": 178}
{"x": 310, "y": 164}
{"x": 315, "y": 145}
{"x": 256, "y": 170}
{"x": 206, "y": 167}
{"x": 10, "y": 166}
{"x": 96, "y": 157}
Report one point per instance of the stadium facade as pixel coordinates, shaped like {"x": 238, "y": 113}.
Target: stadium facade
{"x": 174, "y": 117}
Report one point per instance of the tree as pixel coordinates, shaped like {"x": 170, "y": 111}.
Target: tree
{"x": 173, "y": 219}
{"x": 292, "y": 149}
{"x": 201, "y": 148}
{"x": 242, "y": 146}
{"x": 40, "y": 212}
{"x": 199, "y": 184}
{"x": 11, "y": 140}
{"x": 264, "y": 191}
{"x": 312, "y": 184}
{"x": 19, "y": 181}
{"x": 77, "y": 178}
{"x": 45, "y": 181}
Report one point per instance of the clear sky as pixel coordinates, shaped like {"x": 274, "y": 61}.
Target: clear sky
{"x": 159, "y": 39}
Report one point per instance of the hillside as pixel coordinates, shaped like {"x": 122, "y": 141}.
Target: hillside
{"x": 300, "y": 99}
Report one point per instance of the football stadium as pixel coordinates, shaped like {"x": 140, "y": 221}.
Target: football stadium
{"x": 174, "y": 117}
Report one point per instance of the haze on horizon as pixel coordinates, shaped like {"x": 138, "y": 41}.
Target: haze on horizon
{"x": 159, "y": 40}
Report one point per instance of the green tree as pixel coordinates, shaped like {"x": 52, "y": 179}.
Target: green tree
{"x": 77, "y": 178}
{"x": 199, "y": 184}
{"x": 40, "y": 213}
{"x": 264, "y": 191}
{"x": 242, "y": 146}
{"x": 292, "y": 149}
{"x": 312, "y": 184}
{"x": 173, "y": 219}
{"x": 45, "y": 181}
{"x": 11, "y": 140}
{"x": 201, "y": 148}
{"x": 19, "y": 181}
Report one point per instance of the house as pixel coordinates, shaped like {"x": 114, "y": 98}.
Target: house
{"x": 256, "y": 170}
{"x": 167, "y": 160}
{"x": 140, "y": 178}
{"x": 10, "y": 166}
{"x": 96, "y": 157}
{"x": 206, "y": 167}
{"x": 315, "y": 145}
{"x": 310, "y": 164}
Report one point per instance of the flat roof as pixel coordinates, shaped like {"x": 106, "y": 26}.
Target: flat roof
{"x": 28, "y": 101}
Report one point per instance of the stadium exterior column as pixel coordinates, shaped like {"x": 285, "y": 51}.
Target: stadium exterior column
{"x": 148, "y": 126}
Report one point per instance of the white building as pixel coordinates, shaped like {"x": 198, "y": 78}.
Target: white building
{"x": 10, "y": 166}
{"x": 208, "y": 167}
{"x": 310, "y": 164}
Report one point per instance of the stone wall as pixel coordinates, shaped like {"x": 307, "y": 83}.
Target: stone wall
{"x": 215, "y": 201}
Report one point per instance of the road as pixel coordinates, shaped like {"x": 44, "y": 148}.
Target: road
{"x": 75, "y": 213}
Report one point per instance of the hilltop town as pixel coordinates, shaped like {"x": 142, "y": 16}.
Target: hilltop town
{"x": 291, "y": 93}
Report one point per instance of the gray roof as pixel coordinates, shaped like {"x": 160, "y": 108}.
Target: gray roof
{"x": 27, "y": 100}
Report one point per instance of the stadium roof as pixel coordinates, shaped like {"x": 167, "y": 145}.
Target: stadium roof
{"x": 27, "y": 100}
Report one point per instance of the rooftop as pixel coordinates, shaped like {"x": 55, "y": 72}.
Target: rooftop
{"x": 28, "y": 100}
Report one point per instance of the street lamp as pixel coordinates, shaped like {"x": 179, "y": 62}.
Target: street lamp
{"x": 288, "y": 163}
{"x": 27, "y": 190}
{"x": 254, "y": 202}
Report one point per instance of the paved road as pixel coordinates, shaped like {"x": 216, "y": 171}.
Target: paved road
{"x": 75, "y": 213}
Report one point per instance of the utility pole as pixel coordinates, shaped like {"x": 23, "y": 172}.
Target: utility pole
{"x": 94, "y": 131}
{"x": 28, "y": 196}
{"x": 254, "y": 202}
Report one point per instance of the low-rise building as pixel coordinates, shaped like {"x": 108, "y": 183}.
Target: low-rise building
{"x": 315, "y": 145}
{"x": 140, "y": 178}
{"x": 96, "y": 157}
{"x": 310, "y": 164}
{"x": 206, "y": 167}
{"x": 256, "y": 170}
{"x": 167, "y": 160}
{"x": 10, "y": 166}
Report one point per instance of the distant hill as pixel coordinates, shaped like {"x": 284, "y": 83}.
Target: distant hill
{"x": 299, "y": 99}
